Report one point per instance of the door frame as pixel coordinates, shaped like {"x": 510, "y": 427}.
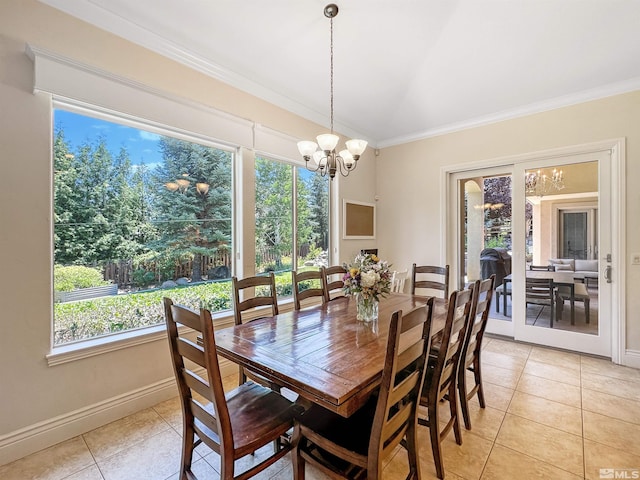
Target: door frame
{"x": 616, "y": 148}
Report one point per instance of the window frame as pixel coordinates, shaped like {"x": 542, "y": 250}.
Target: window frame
{"x": 105, "y": 343}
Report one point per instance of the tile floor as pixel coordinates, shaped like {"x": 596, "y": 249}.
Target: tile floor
{"x": 550, "y": 414}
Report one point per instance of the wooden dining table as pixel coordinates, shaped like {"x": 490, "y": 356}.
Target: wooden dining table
{"x": 322, "y": 353}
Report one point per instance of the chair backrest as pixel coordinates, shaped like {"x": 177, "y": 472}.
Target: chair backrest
{"x": 481, "y": 303}
{"x": 539, "y": 290}
{"x": 402, "y": 382}
{"x": 453, "y": 336}
{"x": 543, "y": 268}
{"x": 315, "y": 290}
{"x": 331, "y": 282}
{"x": 437, "y": 278}
{"x": 270, "y": 300}
{"x": 207, "y": 383}
{"x": 397, "y": 280}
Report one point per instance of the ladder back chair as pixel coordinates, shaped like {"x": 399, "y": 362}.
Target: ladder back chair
{"x": 357, "y": 445}
{"x": 441, "y": 380}
{"x": 430, "y": 277}
{"x": 316, "y": 289}
{"x": 470, "y": 356}
{"x": 331, "y": 282}
{"x": 541, "y": 291}
{"x": 234, "y": 424}
{"x": 248, "y": 303}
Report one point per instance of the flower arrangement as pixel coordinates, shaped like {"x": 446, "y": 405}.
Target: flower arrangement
{"x": 368, "y": 276}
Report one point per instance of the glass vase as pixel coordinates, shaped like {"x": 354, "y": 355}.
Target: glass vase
{"x": 366, "y": 308}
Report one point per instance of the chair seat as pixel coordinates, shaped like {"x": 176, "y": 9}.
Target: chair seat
{"x": 255, "y": 412}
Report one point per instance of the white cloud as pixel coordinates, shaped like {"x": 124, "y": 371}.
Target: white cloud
{"x": 153, "y": 137}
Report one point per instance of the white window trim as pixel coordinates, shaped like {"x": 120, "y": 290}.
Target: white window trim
{"x": 86, "y": 89}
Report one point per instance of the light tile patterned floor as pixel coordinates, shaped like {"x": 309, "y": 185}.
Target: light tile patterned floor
{"x": 550, "y": 414}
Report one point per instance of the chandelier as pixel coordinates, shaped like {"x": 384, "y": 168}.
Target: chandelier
{"x": 539, "y": 183}
{"x": 321, "y": 156}
{"x": 182, "y": 183}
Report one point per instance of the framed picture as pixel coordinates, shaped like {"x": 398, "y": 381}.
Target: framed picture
{"x": 358, "y": 220}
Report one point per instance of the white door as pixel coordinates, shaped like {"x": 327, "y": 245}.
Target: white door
{"x": 543, "y": 189}
{"x": 537, "y": 239}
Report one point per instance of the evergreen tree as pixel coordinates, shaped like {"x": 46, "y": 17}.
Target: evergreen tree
{"x": 319, "y": 211}
{"x": 192, "y": 223}
{"x": 274, "y": 229}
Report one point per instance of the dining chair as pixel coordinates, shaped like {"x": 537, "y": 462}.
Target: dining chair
{"x": 442, "y": 373}
{"x": 541, "y": 291}
{"x": 431, "y": 278}
{"x": 355, "y": 447}
{"x": 332, "y": 278}
{"x": 249, "y": 303}
{"x": 312, "y": 279}
{"x": 472, "y": 347}
{"x": 233, "y": 424}
{"x": 397, "y": 280}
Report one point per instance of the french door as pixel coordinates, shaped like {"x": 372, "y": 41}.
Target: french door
{"x": 561, "y": 217}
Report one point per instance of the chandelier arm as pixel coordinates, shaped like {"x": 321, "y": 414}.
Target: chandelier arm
{"x": 319, "y": 167}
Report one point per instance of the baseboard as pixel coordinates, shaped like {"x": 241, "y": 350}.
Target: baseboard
{"x": 631, "y": 358}
{"x": 38, "y": 436}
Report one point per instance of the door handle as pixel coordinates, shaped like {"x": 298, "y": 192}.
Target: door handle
{"x": 607, "y": 274}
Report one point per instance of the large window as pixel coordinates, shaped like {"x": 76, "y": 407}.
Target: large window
{"x": 290, "y": 235}
{"x": 137, "y": 216}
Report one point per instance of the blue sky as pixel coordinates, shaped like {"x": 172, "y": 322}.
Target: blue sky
{"x": 78, "y": 129}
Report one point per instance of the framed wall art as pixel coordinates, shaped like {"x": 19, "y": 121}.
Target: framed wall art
{"x": 358, "y": 220}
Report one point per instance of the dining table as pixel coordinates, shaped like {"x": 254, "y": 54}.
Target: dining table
{"x": 323, "y": 353}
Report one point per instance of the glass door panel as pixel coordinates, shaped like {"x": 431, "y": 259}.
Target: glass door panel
{"x": 484, "y": 237}
{"x": 556, "y": 288}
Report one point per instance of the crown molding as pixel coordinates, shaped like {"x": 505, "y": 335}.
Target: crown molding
{"x": 597, "y": 93}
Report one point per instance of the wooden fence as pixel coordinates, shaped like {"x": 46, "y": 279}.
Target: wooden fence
{"x": 122, "y": 272}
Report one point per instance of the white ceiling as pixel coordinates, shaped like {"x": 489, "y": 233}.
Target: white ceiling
{"x": 404, "y": 69}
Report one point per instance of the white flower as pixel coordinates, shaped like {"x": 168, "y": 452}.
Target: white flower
{"x": 369, "y": 279}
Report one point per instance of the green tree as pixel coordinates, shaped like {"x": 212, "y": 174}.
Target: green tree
{"x": 319, "y": 210}
{"x": 274, "y": 228}
{"x": 66, "y": 201}
{"x": 97, "y": 204}
{"x": 191, "y": 222}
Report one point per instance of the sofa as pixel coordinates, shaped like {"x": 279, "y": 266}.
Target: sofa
{"x": 587, "y": 270}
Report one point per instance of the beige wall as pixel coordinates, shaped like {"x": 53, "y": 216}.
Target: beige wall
{"x": 31, "y": 391}
{"x": 406, "y": 178}
{"x": 410, "y": 179}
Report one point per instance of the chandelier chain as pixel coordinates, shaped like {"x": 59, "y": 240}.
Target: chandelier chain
{"x": 331, "y": 70}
